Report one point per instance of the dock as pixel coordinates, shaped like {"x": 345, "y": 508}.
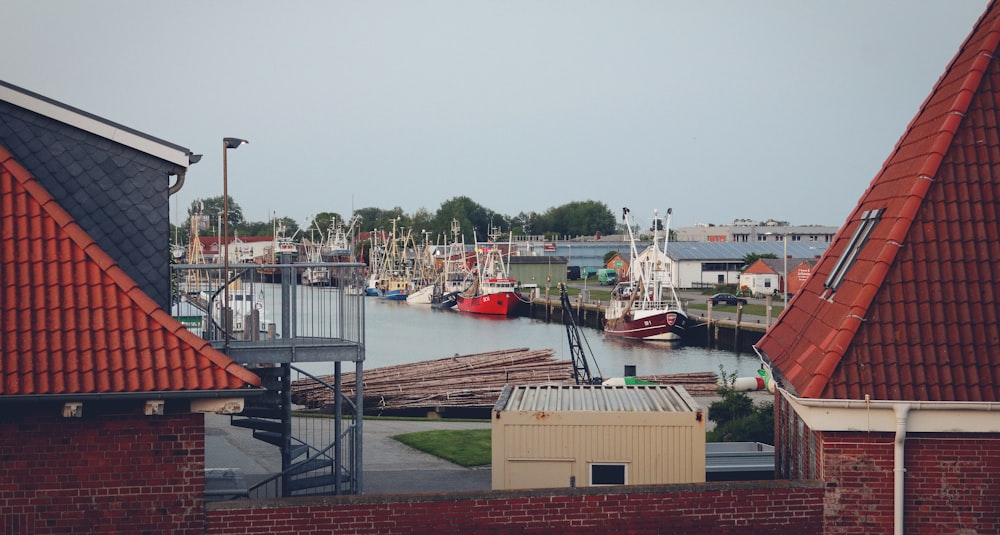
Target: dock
{"x": 738, "y": 336}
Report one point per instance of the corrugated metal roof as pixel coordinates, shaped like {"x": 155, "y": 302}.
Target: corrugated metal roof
{"x": 597, "y": 398}
{"x": 726, "y": 251}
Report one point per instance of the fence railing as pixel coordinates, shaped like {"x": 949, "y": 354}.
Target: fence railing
{"x": 289, "y": 303}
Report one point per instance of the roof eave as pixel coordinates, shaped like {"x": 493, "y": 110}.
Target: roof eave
{"x": 88, "y": 122}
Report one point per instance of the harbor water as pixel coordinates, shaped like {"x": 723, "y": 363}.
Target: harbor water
{"x": 400, "y": 333}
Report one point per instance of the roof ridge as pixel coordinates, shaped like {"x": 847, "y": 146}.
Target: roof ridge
{"x": 943, "y": 138}
{"x": 849, "y": 331}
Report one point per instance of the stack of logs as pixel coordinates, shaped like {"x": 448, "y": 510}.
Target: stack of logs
{"x": 470, "y": 381}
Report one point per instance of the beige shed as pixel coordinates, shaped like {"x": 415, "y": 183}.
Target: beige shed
{"x": 548, "y": 436}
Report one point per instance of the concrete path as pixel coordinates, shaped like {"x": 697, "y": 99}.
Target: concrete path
{"x": 389, "y": 467}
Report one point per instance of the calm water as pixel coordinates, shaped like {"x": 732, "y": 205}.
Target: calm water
{"x": 398, "y": 333}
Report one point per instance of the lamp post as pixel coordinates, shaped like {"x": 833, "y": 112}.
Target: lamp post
{"x": 227, "y": 143}
{"x": 784, "y": 284}
{"x": 784, "y": 259}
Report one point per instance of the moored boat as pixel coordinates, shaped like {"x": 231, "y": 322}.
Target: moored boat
{"x": 646, "y": 306}
{"x": 493, "y": 292}
{"x": 451, "y": 277}
{"x": 394, "y": 280}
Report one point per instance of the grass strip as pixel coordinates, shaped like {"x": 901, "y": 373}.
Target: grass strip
{"x": 464, "y": 447}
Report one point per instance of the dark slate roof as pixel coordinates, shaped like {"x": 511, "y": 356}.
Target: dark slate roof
{"x": 73, "y": 323}
{"x": 112, "y": 180}
{"x": 917, "y": 314}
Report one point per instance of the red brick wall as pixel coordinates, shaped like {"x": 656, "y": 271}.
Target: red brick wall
{"x": 103, "y": 473}
{"x": 732, "y": 508}
{"x": 952, "y": 480}
{"x": 952, "y": 483}
{"x": 796, "y": 451}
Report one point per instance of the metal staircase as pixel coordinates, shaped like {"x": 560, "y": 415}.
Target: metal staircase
{"x": 312, "y": 461}
{"x": 320, "y": 453}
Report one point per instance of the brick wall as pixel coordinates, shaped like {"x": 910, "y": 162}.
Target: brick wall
{"x": 103, "y": 473}
{"x": 951, "y": 485}
{"x": 796, "y": 453}
{"x": 731, "y": 508}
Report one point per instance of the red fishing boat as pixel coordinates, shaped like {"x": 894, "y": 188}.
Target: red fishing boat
{"x": 493, "y": 292}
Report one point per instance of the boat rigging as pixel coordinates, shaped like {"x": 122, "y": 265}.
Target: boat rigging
{"x": 581, "y": 365}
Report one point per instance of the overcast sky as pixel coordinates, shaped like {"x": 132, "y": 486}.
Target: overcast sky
{"x": 718, "y": 109}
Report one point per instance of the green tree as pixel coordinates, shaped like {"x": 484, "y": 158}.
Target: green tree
{"x": 320, "y": 225}
{"x": 752, "y": 258}
{"x": 212, "y": 207}
{"x": 738, "y": 419}
{"x": 378, "y": 219}
{"x": 577, "y": 218}
{"x": 423, "y": 221}
{"x": 291, "y": 227}
{"x": 256, "y": 228}
{"x": 473, "y": 218}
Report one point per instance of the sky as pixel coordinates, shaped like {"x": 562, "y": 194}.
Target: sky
{"x": 718, "y": 109}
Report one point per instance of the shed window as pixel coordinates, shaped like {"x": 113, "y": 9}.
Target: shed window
{"x": 868, "y": 221}
{"x": 607, "y": 474}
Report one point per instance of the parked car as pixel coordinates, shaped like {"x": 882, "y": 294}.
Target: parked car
{"x": 607, "y": 277}
{"x": 727, "y": 299}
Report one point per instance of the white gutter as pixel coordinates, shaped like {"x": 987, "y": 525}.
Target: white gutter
{"x": 899, "y": 417}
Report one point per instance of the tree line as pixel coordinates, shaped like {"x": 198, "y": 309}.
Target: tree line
{"x": 576, "y": 218}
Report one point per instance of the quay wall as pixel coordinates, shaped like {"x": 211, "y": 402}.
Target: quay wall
{"x": 717, "y": 334}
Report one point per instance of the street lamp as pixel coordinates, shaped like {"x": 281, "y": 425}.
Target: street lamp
{"x": 784, "y": 238}
{"x": 227, "y": 143}
{"x": 784, "y": 259}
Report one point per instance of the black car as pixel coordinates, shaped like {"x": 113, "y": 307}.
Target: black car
{"x": 727, "y": 299}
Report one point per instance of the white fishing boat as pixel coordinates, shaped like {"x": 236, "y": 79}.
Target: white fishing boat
{"x": 248, "y": 312}
{"x": 646, "y": 306}
{"x": 452, "y": 278}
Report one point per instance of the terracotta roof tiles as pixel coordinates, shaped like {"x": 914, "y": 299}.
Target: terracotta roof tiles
{"x": 915, "y": 314}
{"x": 72, "y": 321}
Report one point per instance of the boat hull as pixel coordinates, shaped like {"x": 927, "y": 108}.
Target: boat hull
{"x": 394, "y": 295}
{"x": 494, "y": 304}
{"x": 656, "y": 326}
{"x": 423, "y": 296}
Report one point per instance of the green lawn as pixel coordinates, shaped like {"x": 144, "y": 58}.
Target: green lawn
{"x": 464, "y": 447}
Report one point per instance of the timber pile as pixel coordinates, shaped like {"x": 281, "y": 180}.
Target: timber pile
{"x": 460, "y": 381}
{"x": 469, "y": 381}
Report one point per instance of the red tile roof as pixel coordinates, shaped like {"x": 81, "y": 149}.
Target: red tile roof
{"x": 72, "y": 322}
{"x": 917, "y": 314}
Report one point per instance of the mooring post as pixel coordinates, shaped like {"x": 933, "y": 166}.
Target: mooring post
{"x": 736, "y": 332}
{"x": 708, "y": 326}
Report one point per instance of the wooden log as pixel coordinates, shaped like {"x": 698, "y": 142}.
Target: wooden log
{"x": 464, "y": 381}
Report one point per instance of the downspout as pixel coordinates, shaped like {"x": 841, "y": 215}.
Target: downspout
{"x": 902, "y": 410}
{"x": 178, "y": 184}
